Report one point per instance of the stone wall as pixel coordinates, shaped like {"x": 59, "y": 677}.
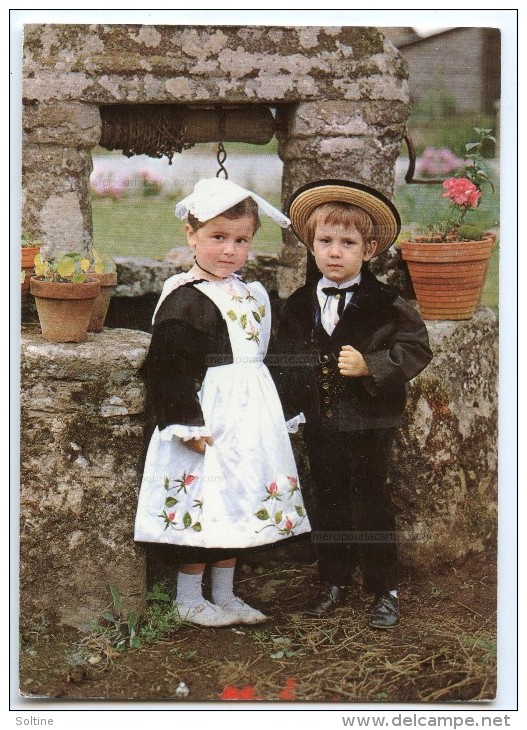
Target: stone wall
{"x": 82, "y": 450}
{"x": 341, "y": 97}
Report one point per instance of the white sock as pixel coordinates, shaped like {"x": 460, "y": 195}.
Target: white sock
{"x": 189, "y": 590}
{"x": 393, "y": 593}
{"x": 222, "y": 584}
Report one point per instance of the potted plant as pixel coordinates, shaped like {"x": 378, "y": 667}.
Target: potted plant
{"x": 448, "y": 265}
{"x": 64, "y": 295}
{"x": 102, "y": 269}
{"x": 29, "y": 248}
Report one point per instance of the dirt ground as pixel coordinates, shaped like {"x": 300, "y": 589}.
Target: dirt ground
{"x": 443, "y": 650}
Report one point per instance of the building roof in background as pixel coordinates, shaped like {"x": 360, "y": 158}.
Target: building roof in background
{"x": 408, "y": 36}
{"x": 400, "y": 36}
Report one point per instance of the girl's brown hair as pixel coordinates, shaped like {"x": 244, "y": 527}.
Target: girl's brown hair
{"x": 245, "y": 207}
{"x": 342, "y": 215}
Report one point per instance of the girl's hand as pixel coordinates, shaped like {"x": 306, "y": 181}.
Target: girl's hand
{"x": 351, "y": 363}
{"x": 198, "y": 445}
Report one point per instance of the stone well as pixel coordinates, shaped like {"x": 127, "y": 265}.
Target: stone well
{"x": 340, "y": 102}
{"x": 340, "y": 96}
{"x": 82, "y": 425}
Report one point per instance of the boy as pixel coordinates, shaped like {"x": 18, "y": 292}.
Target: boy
{"x": 364, "y": 344}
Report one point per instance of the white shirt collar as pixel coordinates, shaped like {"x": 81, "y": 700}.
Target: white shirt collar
{"x": 328, "y": 305}
{"x": 324, "y": 281}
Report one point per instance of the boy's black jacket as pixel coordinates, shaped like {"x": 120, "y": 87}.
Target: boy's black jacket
{"x": 381, "y": 325}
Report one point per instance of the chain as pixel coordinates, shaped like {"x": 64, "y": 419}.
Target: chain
{"x": 221, "y": 156}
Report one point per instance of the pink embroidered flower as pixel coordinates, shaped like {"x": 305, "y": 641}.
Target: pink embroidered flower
{"x": 189, "y": 478}
{"x": 288, "y": 525}
{"x": 272, "y": 488}
{"x": 293, "y": 481}
{"x": 171, "y": 516}
{"x": 462, "y": 192}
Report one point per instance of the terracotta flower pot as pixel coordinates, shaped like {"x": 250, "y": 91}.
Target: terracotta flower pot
{"x": 448, "y": 278}
{"x": 64, "y": 309}
{"x": 28, "y": 254}
{"x": 102, "y": 302}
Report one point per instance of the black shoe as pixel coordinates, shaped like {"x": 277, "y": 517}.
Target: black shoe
{"x": 385, "y": 611}
{"x": 327, "y": 601}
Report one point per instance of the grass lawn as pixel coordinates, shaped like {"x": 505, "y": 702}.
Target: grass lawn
{"x": 137, "y": 226}
{"x": 147, "y": 226}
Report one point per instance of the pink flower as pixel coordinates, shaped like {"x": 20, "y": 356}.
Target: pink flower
{"x": 462, "y": 192}
{"x": 293, "y": 481}
{"x": 188, "y": 479}
{"x": 171, "y": 516}
{"x": 436, "y": 161}
{"x": 272, "y": 488}
{"x": 288, "y": 524}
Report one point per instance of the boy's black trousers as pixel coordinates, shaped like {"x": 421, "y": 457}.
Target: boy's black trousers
{"x": 351, "y": 500}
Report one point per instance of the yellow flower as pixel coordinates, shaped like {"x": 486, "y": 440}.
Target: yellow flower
{"x": 41, "y": 265}
{"x": 66, "y": 267}
{"x": 85, "y": 264}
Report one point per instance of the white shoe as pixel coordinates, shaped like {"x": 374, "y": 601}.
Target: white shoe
{"x": 242, "y": 613}
{"x": 204, "y": 614}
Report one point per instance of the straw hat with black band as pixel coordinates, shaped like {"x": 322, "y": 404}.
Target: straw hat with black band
{"x": 381, "y": 210}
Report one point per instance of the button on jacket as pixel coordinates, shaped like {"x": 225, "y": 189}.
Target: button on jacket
{"x": 381, "y": 325}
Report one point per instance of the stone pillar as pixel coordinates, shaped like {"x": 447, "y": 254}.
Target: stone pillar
{"x": 350, "y": 139}
{"x": 81, "y": 458}
{"x": 56, "y": 167}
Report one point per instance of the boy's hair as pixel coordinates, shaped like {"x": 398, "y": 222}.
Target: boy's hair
{"x": 340, "y": 214}
{"x": 248, "y": 206}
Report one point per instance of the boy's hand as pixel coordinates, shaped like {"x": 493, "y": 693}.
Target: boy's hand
{"x": 351, "y": 363}
{"x": 198, "y": 445}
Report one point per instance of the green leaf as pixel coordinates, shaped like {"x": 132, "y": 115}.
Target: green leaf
{"x": 261, "y": 309}
{"x": 232, "y": 315}
{"x": 115, "y": 597}
{"x": 262, "y": 514}
{"x": 257, "y": 317}
{"x": 171, "y": 501}
{"x": 278, "y": 517}
{"x": 197, "y": 526}
{"x": 135, "y": 643}
{"x": 300, "y": 510}
{"x": 132, "y": 622}
{"x": 471, "y": 145}
{"x": 187, "y": 520}
{"x": 243, "y": 321}
{"x": 107, "y": 616}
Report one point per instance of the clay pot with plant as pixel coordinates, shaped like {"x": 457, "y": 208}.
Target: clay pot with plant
{"x": 64, "y": 295}
{"x": 103, "y": 270}
{"x": 448, "y": 262}
{"x": 29, "y": 248}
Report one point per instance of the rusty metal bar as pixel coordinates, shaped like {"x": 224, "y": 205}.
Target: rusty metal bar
{"x": 409, "y": 177}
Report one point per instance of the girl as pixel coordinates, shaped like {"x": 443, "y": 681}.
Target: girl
{"x": 220, "y": 473}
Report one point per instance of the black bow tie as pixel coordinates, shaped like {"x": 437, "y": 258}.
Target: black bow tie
{"x": 341, "y": 293}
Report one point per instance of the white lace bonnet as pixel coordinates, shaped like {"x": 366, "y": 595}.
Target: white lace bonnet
{"x": 213, "y": 196}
